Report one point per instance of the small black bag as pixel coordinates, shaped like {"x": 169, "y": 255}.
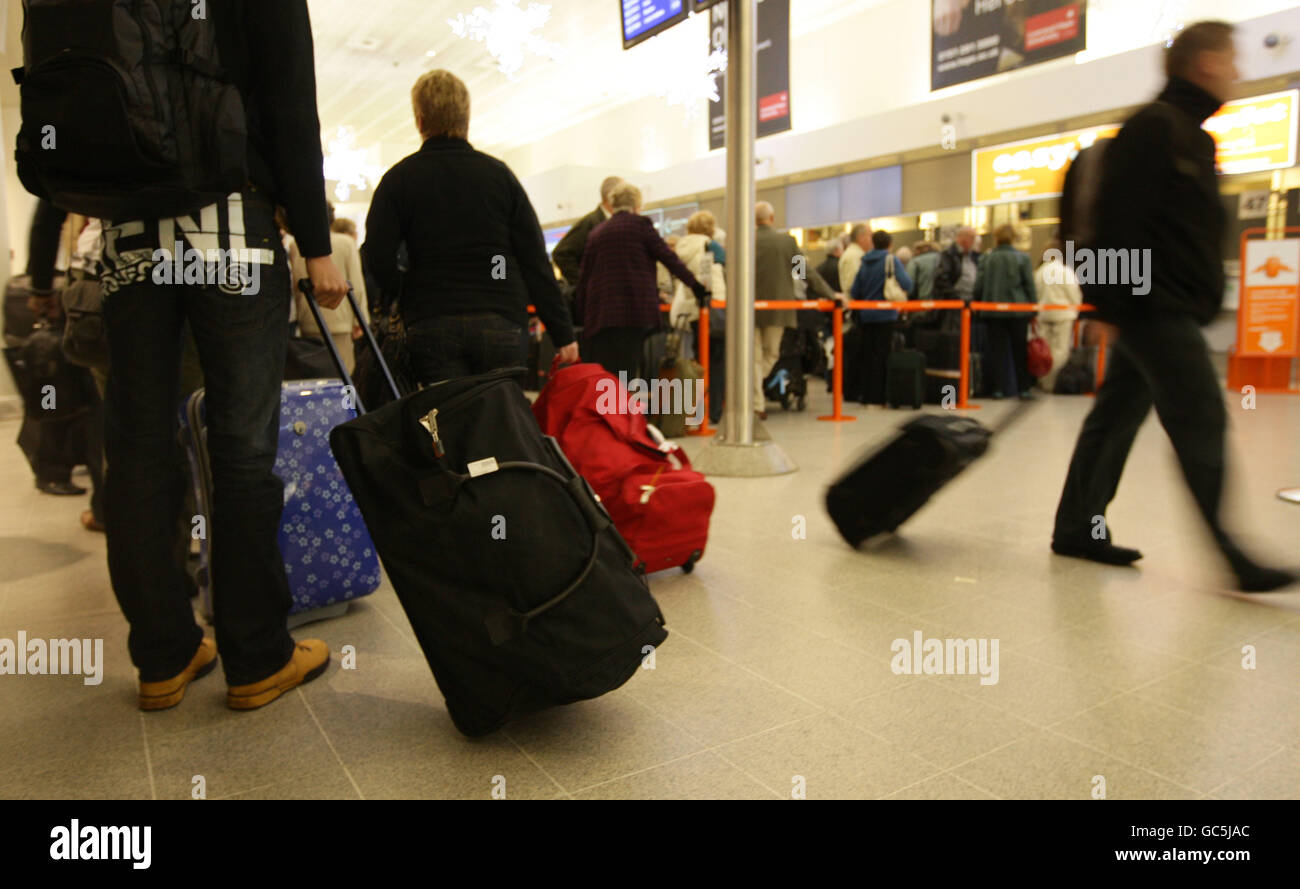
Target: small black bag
{"x": 372, "y": 387}
{"x": 85, "y": 336}
{"x": 308, "y": 358}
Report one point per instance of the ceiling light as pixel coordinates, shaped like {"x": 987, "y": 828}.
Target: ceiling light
{"x": 508, "y": 32}
{"x": 346, "y": 165}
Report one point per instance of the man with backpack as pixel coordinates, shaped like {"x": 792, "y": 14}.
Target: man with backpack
{"x": 190, "y": 123}
{"x": 1157, "y": 191}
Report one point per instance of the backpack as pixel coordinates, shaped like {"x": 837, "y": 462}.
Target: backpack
{"x": 1079, "y": 194}
{"x": 126, "y": 110}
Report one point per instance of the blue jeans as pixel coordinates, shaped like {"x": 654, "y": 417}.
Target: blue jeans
{"x": 445, "y": 347}
{"x": 241, "y": 345}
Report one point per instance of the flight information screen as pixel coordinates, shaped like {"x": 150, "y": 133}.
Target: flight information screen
{"x": 645, "y": 18}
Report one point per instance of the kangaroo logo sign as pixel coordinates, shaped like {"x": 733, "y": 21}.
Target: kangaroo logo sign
{"x": 1270, "y": 294}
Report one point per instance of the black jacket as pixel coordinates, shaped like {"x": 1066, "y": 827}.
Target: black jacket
{"x": 568, "y": 253}
{"x": 830, "y": 272}
{"x": 948, "y": 272}
{"x": 473, "y": 241}
{"x": 1159, "y": 191}
{"x": 266, "y": 49}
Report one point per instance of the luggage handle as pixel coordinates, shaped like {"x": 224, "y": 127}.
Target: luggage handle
{"x": 309, "y": 292}
{"x": 509, "y": 623}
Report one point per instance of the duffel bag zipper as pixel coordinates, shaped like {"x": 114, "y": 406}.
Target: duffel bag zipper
{"x": 430, "y": 420}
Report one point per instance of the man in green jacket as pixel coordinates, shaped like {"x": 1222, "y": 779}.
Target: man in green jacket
{"x": 1006, "y": 276}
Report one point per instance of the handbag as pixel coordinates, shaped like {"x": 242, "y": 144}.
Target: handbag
{"x": 894, "y": 291}
{"x": 85, "y": 336}
{"x": 1039, "y": 360}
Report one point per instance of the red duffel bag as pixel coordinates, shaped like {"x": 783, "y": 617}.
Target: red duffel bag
{"x": 658, "y": 503}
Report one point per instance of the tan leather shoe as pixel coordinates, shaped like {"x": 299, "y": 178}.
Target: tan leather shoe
{"x": 169, "y": 692}
{"x": 310, "y": 658}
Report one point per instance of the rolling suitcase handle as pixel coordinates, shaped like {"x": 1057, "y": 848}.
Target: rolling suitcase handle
{"x": 308, "y": 291}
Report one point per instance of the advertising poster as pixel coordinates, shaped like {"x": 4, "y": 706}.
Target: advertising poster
{"x": 971, "y": 39}
{"x": 773, "y": 69}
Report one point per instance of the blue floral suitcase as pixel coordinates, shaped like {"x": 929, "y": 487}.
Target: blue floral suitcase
{"x": 328, "y": 557}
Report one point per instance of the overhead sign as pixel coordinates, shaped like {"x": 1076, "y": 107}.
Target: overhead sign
{"x": 1031, "y": 169}
{"x": 1270, "y": 298}
{"x": 772, "y": 64}
{"x": 643, "y": 19}
{"x": 970, "y": 39}
{"x": 1257, "y": 133}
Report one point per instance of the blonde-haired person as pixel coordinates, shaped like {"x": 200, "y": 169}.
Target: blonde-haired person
{"x": 1006, "y": 276}
{"x": 617, "y": 299}
{"x": 476, "y": 255}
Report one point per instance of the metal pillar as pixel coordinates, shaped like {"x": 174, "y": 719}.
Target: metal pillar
{"x": 737, "y": 452}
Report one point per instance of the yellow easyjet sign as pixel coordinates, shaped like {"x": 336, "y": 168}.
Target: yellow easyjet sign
{"x": 1257, "y": 133}
{"x": 1251, "y": 134}
{"x": 1029, "y": 170}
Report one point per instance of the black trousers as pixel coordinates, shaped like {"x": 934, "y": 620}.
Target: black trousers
{"x": 446, "y": 347}
{"x": 1165, "y": 364}
{"x": 615, "y": 349}
{"x": 1008, "y": 351}
{"x": 864, "y": 374}
{"x": 241, "y": 344}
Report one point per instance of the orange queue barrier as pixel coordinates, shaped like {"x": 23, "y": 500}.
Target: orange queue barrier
{"x": 837, "y": 332}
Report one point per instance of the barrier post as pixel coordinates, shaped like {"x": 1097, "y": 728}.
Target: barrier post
{"x": 702, "y": 350}
{"x": 1101, "y": 358}
{"x": 963, "y": 381}
{"x": 837, "y": 374}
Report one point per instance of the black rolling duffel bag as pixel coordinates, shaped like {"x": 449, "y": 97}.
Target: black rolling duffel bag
{"x": 888, "y": 486}
{"x": 520, "y": 591}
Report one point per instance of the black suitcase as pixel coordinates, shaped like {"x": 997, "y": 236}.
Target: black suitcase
{"x": 905, "y": 378}
{"x": 886, "y": 488}
{"x": 520, "y": 591}
{"x": 854, "y": 377}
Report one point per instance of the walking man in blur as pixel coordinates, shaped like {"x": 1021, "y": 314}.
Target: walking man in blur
{"x": 1158, "y": 192}
{"x": 567, "y": 254}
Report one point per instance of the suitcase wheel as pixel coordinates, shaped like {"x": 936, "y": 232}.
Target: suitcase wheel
{"x": 689, "y": 565}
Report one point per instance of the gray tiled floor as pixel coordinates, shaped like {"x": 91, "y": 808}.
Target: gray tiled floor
{"x": 777, "y": 677}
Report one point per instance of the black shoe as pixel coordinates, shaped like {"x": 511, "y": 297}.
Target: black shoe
{"x": 1097, "y": 551}
{"x": 67, "y": 489}
{"x": 1256, "y": 579}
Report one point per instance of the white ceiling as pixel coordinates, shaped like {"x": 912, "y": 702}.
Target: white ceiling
{"x": 368, "y": 88}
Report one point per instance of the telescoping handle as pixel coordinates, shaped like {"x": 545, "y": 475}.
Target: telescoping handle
{"x": 308, "y": 291}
